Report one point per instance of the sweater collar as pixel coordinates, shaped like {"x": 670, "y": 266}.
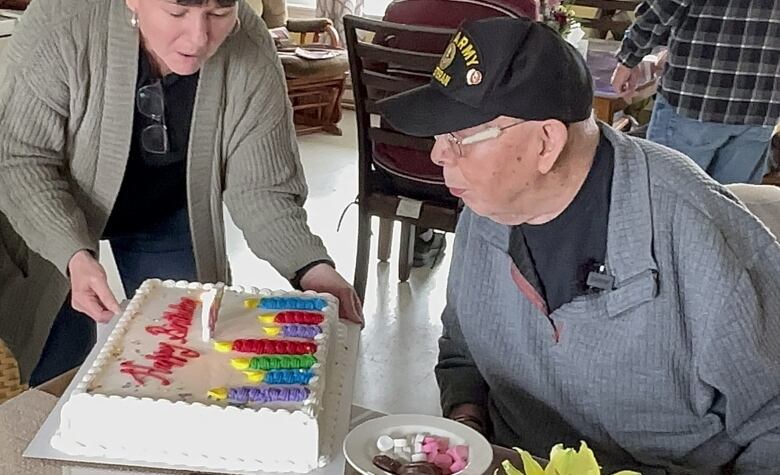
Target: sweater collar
{"x": 630, "y": 230}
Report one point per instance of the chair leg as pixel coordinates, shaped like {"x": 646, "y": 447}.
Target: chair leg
{"x": 406, "y": 256}
{"x": 385, "y": 239}
{"x": 364, "y": 247}
{"x": 333, "y": 130}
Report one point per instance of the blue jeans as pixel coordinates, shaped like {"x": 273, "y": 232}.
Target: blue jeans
{"x": 164, "y": 252}
{"x": 728, "y": 153}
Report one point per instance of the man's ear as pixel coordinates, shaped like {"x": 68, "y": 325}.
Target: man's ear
{"x": 552, "y": 140}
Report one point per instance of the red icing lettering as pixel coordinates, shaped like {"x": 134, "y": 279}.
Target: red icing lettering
{"x": 168, "y": 355}
{"x": 179, "y": 319}
{"x": 140, "y": 373}
{"x": 183, "y": 350}
{"x": 173, "y": 334}
{"x": 165, "y": 357}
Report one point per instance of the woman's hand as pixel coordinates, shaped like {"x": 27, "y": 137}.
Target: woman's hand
{"x": 90, "y": 293}
{"x": 324, "y": 278}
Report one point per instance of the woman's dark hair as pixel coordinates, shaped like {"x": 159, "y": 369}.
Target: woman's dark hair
{"x": 221, "y": 3}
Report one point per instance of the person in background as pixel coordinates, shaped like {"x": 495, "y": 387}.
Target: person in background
{"x": 134, "y": 122}
{"x": 719, "y": 95}
{"x": 602, "y": 287}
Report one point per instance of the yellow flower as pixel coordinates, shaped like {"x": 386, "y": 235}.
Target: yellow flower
{"x": 563, "y": 461}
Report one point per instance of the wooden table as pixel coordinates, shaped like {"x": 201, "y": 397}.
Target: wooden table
{"x": 602, "y": 62}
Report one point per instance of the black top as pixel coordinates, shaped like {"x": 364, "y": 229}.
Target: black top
{"x": 557, "y": 256}
{"x": 155, "y": 185}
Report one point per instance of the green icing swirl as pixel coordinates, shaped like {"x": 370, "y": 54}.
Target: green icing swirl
{"x": 270, "y": 362}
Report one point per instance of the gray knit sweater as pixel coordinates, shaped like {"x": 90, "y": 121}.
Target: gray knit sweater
{"x": 676, "y": 370}
{"x": 67, "y": 94}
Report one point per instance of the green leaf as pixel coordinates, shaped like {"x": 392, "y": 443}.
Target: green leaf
{"x": 530, "y": 465}
{"x": 510, "y": 469}
{"x": 585, "y": 460}
{"x": 563, "y": 461}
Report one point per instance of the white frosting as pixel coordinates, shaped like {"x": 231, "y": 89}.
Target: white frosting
{"x": 110, "y": 415}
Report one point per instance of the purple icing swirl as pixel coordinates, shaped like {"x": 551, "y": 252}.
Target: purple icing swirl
{"x": 264, "y": 394}
{"x": 301, "y": 331}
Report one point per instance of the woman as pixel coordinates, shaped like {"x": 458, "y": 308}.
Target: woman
{"x": 133, "y": 122}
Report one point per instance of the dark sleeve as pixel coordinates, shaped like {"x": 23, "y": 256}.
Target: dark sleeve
{"x": 296, "y": 281}
{"x": 459, "y": 378}
{"x": 654, "y": 20}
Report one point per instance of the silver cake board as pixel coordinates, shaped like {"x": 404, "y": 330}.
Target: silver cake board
{"x": 337, "y": 412}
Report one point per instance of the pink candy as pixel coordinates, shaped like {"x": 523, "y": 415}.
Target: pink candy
{"x": 435, "y": 450}
{"x": 461, "y": 451}
{"x": 457, "y": 467}
{"x": 448, "y": 459}
{"x": 442, "y": 460}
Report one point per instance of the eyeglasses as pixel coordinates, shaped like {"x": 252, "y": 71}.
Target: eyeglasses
{"x": 456, "y": 143}
{"x": 151, "y": 103}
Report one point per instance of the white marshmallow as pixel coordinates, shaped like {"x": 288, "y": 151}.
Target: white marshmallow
{"x": 385, "y": 443}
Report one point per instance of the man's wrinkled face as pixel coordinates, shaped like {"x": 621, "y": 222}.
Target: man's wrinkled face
{"x": 492, "y": 176}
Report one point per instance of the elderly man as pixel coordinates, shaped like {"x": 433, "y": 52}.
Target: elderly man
{"x": 602, "y": 288}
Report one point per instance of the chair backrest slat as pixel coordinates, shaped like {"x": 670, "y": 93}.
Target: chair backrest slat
{"x": 386, "y": 59}
{"x": 397, "y": 139}
{"x": 398, "y": 58}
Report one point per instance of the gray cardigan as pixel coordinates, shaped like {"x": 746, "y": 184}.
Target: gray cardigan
{"x": 67, "y": 93}
{"x": 677, "y": 369}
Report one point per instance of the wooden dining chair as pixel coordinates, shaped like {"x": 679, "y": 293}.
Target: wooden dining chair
{"x": 377, "y": 72}
{"x": 10, "y": 384}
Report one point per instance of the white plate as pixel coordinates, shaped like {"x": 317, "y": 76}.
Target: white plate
{"x": 316, "y": 53}
{"x": 360, "y": 444}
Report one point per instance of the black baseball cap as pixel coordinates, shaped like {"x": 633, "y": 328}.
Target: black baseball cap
{"x": 497, "y": 66}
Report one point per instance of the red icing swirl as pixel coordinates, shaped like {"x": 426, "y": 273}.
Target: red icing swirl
{"x": 274, "y": 347}
{"x": 303, "y": 318}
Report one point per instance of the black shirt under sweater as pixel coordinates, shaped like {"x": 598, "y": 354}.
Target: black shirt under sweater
{"x": 155, "y": 185}
{"x": 556, "y": 257}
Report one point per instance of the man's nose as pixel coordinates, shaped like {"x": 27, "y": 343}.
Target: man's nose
{"x": 442, "y": 153}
